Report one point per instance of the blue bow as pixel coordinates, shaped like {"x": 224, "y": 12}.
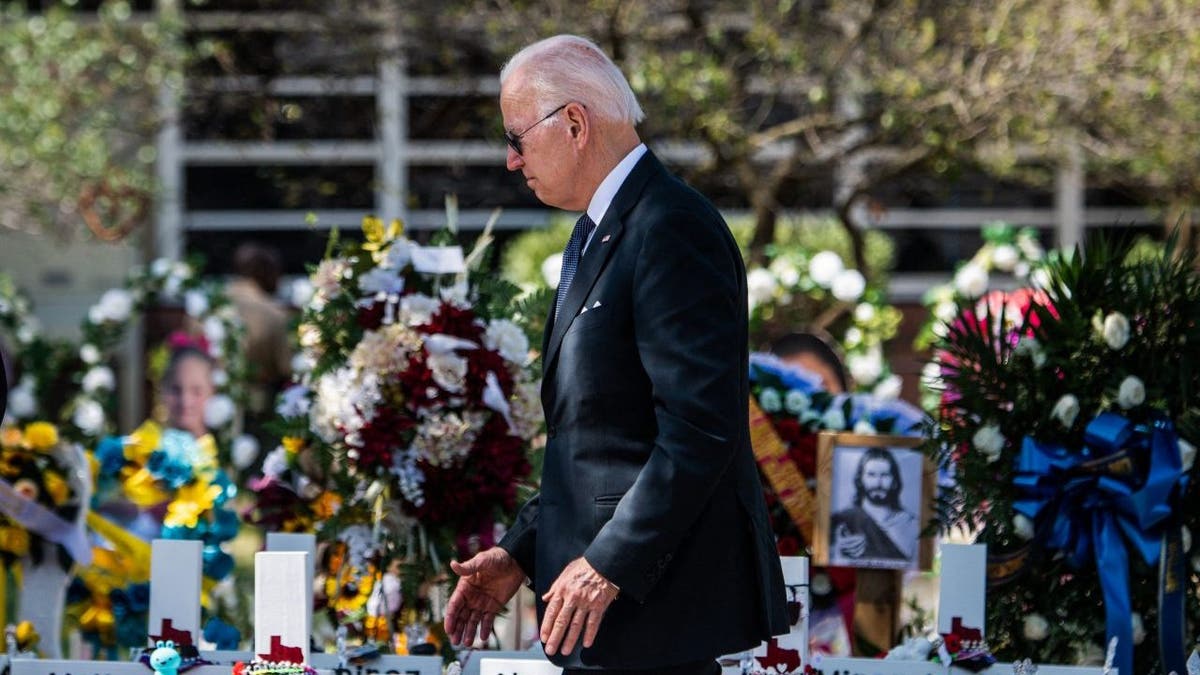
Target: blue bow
{"x": 1089, "y": 504}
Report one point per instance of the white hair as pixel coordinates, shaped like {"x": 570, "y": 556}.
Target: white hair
{"x": 567, "y": 68}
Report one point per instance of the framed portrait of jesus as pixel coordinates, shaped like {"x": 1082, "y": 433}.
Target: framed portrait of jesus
{"x": 874, "y": 497}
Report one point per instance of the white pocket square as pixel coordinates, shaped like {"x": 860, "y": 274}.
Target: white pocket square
{"x": 597, "y": 304}
{"x": 586, "y": 308}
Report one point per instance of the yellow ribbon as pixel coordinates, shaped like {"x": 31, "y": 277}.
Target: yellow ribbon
{"x": 786, "y": 479}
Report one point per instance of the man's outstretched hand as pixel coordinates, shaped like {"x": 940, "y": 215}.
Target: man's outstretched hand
{"x": 575, "y": 604}
{"x": 487, "y": 582}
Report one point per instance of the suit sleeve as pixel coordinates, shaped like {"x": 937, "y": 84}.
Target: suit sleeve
{"x": 689, "y": 318}
{"x": 521, "y": 539}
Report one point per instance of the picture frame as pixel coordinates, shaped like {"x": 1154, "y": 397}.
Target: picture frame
{"x": 872, "y": 521}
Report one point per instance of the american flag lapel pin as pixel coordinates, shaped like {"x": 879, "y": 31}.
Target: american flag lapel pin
{"x": 605, "y": 238}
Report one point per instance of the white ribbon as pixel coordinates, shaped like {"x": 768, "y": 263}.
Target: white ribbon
{"x": 37, "y": 518}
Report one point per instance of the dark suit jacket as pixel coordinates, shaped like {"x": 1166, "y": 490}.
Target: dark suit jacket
{"x": 648, "y": 469}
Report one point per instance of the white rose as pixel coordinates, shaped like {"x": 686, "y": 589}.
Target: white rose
{"x": 116, "y": 304}
{"x": 303, "y": 362}
{"x": 22, "y": 400}
{"x": 1005, "y": 257}
{"x": 195, "y": 303}
{"x": 1036, "y": 627}
{"x": 848, "y": 285}
{"x": 1066, "y": 410}
{"x": 214, "y": 330}
{"x": 448, "y": 370}
{"x": 89, "y": 354}
{"x": 244, "y": 451}
{"x": 218, "y": 411}
{"x": 88, "y": 416}
{"x": 1023, "y": 526}
{"x": 220, "y": 377}
{"x": 275, "y": 463}
{"x": 864, "y": 312}
{"x": 508, "y": 339}
{"x": 1132, "y": 392}
{"x": 866, "y": 368}
{"x": 824, "y": 268}
{"x": 770, "y": 400}
{"x": 833, "y": 419}
{"x": 788, "y": 275}
{"x": 889, "y": 388}
{"x": 300, "y": 292}
{"x": 853, "y": 337}
{"x": 1187, "y": 454}
{"x": 796, "y": 402}
{"x": 989, "y": 441}
{"x": 552, "y": 269}
{"x": 160, "y": 267}
{"x": 417, "y": 309}
{"x": 864, "y": 427}
{"x": 99, "y": 377}
{"x": 971, "y": 280}
{"x": 1116, "y": 330}
{"x": 760, "y": 286}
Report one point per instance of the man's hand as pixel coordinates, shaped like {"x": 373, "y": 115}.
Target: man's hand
{"x": 848, "y": 544}
{"x": 574, "y": 605}
{"x": 488, "y": 581}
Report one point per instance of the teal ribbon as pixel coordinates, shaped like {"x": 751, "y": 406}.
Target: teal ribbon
{"x": 1118, "y": 492}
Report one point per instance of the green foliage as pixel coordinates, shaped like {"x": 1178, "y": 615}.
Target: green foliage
{"x": 1010, "y": 372}
{"x": 78, "y": 113}
{"x": 523, "y": 257}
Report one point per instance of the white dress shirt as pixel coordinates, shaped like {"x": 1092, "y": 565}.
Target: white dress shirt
{"x": 603, "y": 197}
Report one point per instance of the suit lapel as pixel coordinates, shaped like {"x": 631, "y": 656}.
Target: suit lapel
{"x": 604, "y": 242}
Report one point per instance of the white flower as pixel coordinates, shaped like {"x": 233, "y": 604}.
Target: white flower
{"x": 889, "y": 388}
{"x": 864, "y": 427}
{"x": 760, "y": 286}
{"x": 294, "y": 401}
{"x": 22, "y": 399}
{"x": 218, "y": 411}
{"x": 853, "y": 337}
{"x": 971, "y": 280}
{"x": 417, "y": 309}
{"x": 28, "y": 330}
{"x": 786, "y": 272}
{"x": 1040, "y": 278}
{"x": 1005, "y": 257}
{"x": 824, "y": 268}
{"x": 446, "y": 440}
{"x": 214, "y": 330}
{"x": 989, "y": 441}
{"x": 99, "y": 377}
{"x": 456, "y": 294}
{"x": 770, "y": 400}
{"x": 195, "y": 303}
{"x": 244, "y": 451}
{"x": 220, "y": 377}
{"x": 300, "y": 292}
{"x": 116, "y": 304}
{"x": 1132, "y": 392}
{"x": 945, "y": 311}
{"x": 1030, "y": 347}
{"x": 449, "y": 371}
{"x": 88, "y": 416}
{"x": 866, "y": 368}
{"x": 848, "y": 285}
{"x": 160, "y": 267}
{"x": 1066, "y": 410}
{"x": 1187, "y": 454}
{"x": 1036, "y": 627}
{"x": 833, "y": 419}
{"x": 931, "y": 373}
{"x": 89, "y": 354}
{"x": 1021, "y": 269}
{"x": 864, "y": 312}
{"x": 1030, "y": 246}
{"x": 552, "y": 269}
{"x": 1116, "y": 330}
{"x": 508, "y": 339}
{"x": 335, "y": 408}
{"x": 1139, "y": 628}
{"x": 796, "y": 401}
{"x": 1023, "y": 526}
{"x": 380, "y": 280}
{"x": 303, "y": 362}
{"x": 275, "y": 463}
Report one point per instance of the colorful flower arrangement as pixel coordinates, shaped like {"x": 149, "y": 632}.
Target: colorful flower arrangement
{"x": 73, "y": 383}
{"x": 1068, "y": 417}
{"x": 417, "y": 411}
{"x": 33, "y": 468}
{"x": 176, "y": 487}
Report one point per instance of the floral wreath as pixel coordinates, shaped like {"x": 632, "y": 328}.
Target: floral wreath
{"x": 55, "y": 365}
{"x": 35, "y": 467}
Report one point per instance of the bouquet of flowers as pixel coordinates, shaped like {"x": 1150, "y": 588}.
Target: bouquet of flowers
{"x": 1068, "y": 416}
{"x": 34, "y": 469}
{"x": 415, "y": 419}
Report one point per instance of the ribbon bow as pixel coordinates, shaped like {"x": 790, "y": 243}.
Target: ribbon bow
{"x": 1088, "y": 504}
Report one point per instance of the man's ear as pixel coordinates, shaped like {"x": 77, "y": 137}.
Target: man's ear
{"x": 577, "y": 121}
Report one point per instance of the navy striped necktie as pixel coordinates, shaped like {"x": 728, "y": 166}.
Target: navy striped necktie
{"x": 579, "y": 236}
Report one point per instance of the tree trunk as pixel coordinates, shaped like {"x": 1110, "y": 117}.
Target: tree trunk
{"x": 765, "y": 220}
{"x": 858, "y": 242}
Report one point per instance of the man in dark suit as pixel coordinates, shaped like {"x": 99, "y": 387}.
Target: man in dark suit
{"x": 648, "y": 547}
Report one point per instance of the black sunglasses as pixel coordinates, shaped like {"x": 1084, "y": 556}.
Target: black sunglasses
{"x": 514, "y": 140}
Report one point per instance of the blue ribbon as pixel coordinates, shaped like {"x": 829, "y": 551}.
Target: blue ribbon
{"x": 1093, "y": 504}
